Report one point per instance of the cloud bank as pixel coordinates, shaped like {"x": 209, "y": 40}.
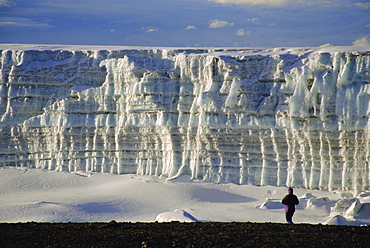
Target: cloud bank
{"x": 253, "y": 2}
{"x": 292, "y": 3}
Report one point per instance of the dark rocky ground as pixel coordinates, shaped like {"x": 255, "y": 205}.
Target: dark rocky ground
{"x": 175, "y": 234}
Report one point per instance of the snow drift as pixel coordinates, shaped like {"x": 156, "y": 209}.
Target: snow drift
{"x": 295, "y": 117}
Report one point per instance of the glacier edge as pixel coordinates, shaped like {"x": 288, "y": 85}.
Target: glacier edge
{"x": 296, "y": 117}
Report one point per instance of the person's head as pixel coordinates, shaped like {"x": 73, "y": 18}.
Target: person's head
{"x": 290, "y": 190}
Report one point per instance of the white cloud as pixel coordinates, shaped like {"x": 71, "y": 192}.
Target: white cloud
{"x": 22, "y": 22}
{"x": 7, "y": 3}
{"x": 8, "y": 24}
{"x": 363, "y": 5}
{"x": 241, "y": 32}
{"x": 219, "y": 24}
{"x": 367, "y": 26}
{"x": 361, "y": 42}
{"x": 150, "y": 29}
{"x": 254, "y": 20}
{"x": 191, "y": 27}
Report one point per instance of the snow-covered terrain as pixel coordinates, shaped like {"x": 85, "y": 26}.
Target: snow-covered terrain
{"x": 50, "y": 196}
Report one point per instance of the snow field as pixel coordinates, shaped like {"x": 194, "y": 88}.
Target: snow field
{"x": 50, "y": 196}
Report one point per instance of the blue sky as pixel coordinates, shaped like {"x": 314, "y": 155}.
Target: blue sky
{"x": 204, "y": 23}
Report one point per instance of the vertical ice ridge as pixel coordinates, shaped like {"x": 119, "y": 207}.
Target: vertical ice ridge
{"x": 296, "y": 120}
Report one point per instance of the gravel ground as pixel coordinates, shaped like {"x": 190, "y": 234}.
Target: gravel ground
{"x": 176, "y": 234}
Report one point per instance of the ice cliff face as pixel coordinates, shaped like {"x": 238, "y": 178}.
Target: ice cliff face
{"x": 264, "y": 117}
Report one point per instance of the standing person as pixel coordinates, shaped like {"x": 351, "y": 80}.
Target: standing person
{"x": 290, "y": 200}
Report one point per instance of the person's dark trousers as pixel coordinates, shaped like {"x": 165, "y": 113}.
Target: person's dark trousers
{"x": 289, "y": 216}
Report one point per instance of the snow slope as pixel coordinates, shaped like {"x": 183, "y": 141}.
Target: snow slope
{"x": 50, "y": 196}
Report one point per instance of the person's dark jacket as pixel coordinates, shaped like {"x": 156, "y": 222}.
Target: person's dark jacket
{"x": 290, "y": 201}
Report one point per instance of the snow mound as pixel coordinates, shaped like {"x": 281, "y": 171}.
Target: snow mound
{"x": 320, "y": 203}
{"x": 177, "y": 215}
{"x": 306, "y": 196}
{"x": 84, "y": 173}
{"x": 338, "y": 220}
{"x": 348, "y": 207}
{"x": 364, "y": 196}
{"x": 270, "y": 204}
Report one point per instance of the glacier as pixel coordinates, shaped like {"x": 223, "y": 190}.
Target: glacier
{"x": 281, "y": 116}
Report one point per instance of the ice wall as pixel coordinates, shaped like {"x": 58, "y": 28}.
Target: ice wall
{"x": 265, "y": 117}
